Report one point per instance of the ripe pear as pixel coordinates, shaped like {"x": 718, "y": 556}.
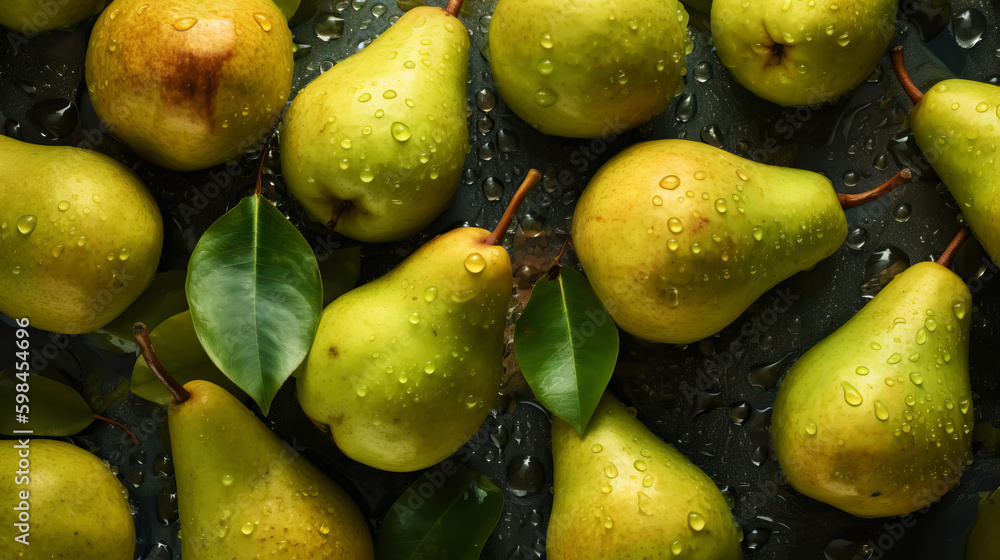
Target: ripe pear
{"x": 621, "y": 492}
{"x": 189, "y": 84}
{"x": 982, "y": 543}
{"x": 589, "y": 68}
{"x": 244, "y": 493}
{"x": 801, "y": 52}
{"x": 405, "y": 369}
{"x": 80, "y": 236}
{"x": 877, "y": 417}
{"x": 72, "y": 505}
{"x": 678, "y": 238}
{"x": 954, "y": 127}
{"x": 32, "y": 16}
{"x": 374, "y": 147}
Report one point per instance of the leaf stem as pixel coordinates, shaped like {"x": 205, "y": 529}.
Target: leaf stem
{"x": 453, "y": 7}
{"x": 141, "y": 334}
{"x": 135, "y": 440}
{"x": 952, "y": 248}
{"x": 851, "y": 200}
{"x": 508, "y": 216}
{"x": 904, "y": 77}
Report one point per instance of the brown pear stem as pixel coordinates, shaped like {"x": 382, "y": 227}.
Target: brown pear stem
{"x": 453, "y": 7}
{"x": 904, "y": 77}
{"x": 952, "y": 248}
{"x": 141, "y": 334}
{"x": 508, "y": 216}
{"x": 851, "y": 200}
{"x": 135, "y": 440}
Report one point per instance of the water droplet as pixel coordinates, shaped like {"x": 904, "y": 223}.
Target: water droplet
{"x": 429, "y": 368}
{"x": 657, "y": 201}
{"x": 64, "y": 206}
{"x": 674, "y": 225}
{"x": 365, "y": 97}
{"x": 673, "y": 297}
{"x": 895, "y": 358}
{"x": 639, "y": 465}
{"x": 687, "y": 107}
{"x": 921, "y": 336}
{"x": 696, "y": 521}
{"x": 526, "y": 476}
{"x": 184, "y": 24}
{"x": 720, "y": 205}
{"x": 400, "y": 131}
{"x": 930, "y": 324}
{"x": 916, "y": 378}
{"x": 362, "y": 390}
{"x": 430, "y": 294}
{"x": 409, "y": 102}
{"x": 610, "y": 470}
{"x": 262, "y": 21}
{"x": 597, "y": 448}
{"x": 811, "y": 428}
{"x": 26, "y": 224}
{"x": 544, "y": 67}
{"x": 113, "y": 46}
{"x": 881, "y": 412}
{"x": 645, "y": 503}
{"x": 247, "y": 528}
{"x": 963, "y": 406}
{"x": 346, "y": 143}
{"x": 969, "y": 26}
{"x": 757, "y": 232}
{"x": 546, "y": 41}
{"x": 366, "y": 175}
{"x": 862, "y": 370}
{"x": 851, "y": 395}
{"x": 958, "y": 307}
{"x": 414, "y": 318}
{"x": 227, "y": 480}
{"x": 56, "y": 250}
{"x": 670, "y": 182}
{"x": 676, "y": 548}
{"x": 403, "y": 378}
{"x": 475, "y": 263}
{"x": 545, "y": 98}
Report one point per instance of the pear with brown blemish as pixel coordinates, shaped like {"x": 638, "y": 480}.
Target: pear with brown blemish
{"x": 189, "y": 84}
{"x": 374, "y": 147}
{"x": 621, "y": 492}
{"x": 876, "y": 419}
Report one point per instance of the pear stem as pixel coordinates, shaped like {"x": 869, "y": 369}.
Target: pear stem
{"x": 508, "y": 215}
{"x": 453, "y": 7}
{"x": 952, "y": 248}
{"x": 135, "y": 440}
{"x": 851, "y": 200}
{"x": 904, "y": 77}
{"x": 141, "y": 334}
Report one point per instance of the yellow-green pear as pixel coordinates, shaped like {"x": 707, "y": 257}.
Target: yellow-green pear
{"x": 876, "y": 418}
{"x": 954, "y": 124}
{"x": 189, "y": 84}
{"x": 374, "y": 147}
{"x": 244, "y": 493}
{"x": 404, "y": 369}
{"x": 801, "y": 52}
{"x": 80, "y": 236}
{"x": 678, "y": 238}
{"x": 32, "y": 16}
{"x": 588, "y": 68}
{"x": 61, "y": 502}
{"x": 621, "y": 492}
{"x": 982, "y": 543}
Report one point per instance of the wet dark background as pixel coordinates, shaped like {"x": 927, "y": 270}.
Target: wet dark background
{"x": 711, "y": 399}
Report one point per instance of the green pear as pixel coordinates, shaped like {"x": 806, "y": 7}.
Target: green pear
{"x": 80, "y": 236}
{"x": 876, "y": 418}
{"x": 244, "y": 493}
{"x": 66, "y": 500}
{"x": 621, "y": 492}
{"x": 405, "y": 369}
{"x": 801, "y": 52}
{"x": 982, "y": 543}
{"x": 954, "y": 126}
{"x": 678, "y": 238}
{"x": 374, "y": 147}
{"x": 189, "y": 84}
{"x": 32, "y": 16}
{"x": 588, "y": 68}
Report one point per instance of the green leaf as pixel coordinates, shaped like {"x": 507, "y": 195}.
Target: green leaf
{"x": 446, "y": 514}
{"x": 567, "y": 346}
{"x": 340, "y": 271}
{"x": 182, "y": 356}
{"x": 255, "y": 293}
{"x": 163, "y": 299}
{"x": 54, "y": 409}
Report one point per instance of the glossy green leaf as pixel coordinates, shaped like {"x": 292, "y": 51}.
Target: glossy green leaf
{"x": 54, "y": 409}
{"x": 181, "y": 354}
{"x": 447, "y": 514}
{"x": 340, "y": 271}
{"x": 567, "y": 346}
{"x": 255, "y": 293}
{"x": 163, "y": 299}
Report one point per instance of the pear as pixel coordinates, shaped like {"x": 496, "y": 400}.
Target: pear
{"x": 32, "y": 16}
{"x": 876, "y": 418}
{"x": 953, "y": 124}
{"x": 189, "y": 84}
{"x": 621, "y": 492}
{"x": 589, "y": 68}
{"x": 801, "y": 52}
{"x": 68, "y": 500}
{"x": 374, "y": 147}
{"x": 80, "y": 236}
{"x": 982, "y": 543}
{"x": 678, "y": 238}
{"x": 404, "y": 369}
